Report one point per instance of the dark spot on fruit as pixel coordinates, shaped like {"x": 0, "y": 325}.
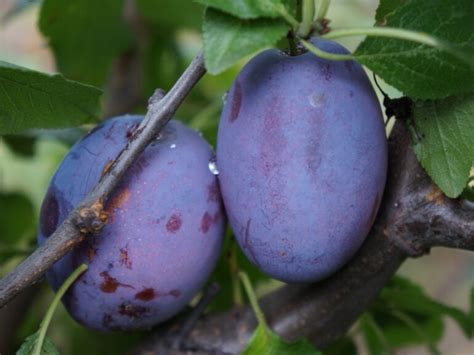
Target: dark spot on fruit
{"x": 146, "y": 294}
{"x": 236, "y": 102}
{"x": 351, "y": 93}
{"x": 131, "y": 130}
{"x": 206, "y": 222}
{"x": 73, "y": 155}
{"x": 132, "y": 310}
{"x": 108, "y": 322}
{"x": 110, "y": 284}
{"x": 118, "y": 199}
{"x": 282, "y": 254}
{"x": 124, "y": 260}
{"x": 49, "y": 215}
{"x": 174, "y": 223}
{"x": 247, "y": 243}
{"x": 213, "y": 193}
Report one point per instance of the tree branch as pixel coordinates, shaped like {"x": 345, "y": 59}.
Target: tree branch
{"x": 414, "y": 216}
{"x": 89, "y": 216}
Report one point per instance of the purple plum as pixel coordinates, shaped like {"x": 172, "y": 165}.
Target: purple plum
{"x": 302, "y": 159}
{"x": 164, "y": 232}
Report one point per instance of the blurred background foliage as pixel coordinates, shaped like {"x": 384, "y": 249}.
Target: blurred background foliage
{"x": 153, "y": 41}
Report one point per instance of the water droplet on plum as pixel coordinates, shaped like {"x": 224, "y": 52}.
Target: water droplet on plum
{"x": 213, "y": 166}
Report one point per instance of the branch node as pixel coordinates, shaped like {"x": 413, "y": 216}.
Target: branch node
{"x": 91, "y": 219}
{"x": 157, "y": 96}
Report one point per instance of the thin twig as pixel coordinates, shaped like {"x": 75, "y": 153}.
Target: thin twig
{"x": 69, "y": 235}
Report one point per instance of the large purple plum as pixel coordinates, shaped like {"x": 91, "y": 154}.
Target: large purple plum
{"x": 164, "y": 232}
{"x": 302, "y": 157}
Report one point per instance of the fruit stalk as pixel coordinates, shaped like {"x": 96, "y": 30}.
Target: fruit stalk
{"x": 68, "y": 234}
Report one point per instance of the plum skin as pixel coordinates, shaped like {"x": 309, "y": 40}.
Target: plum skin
{"x": 302, "y": 158}
{"x": 164, "y": 232}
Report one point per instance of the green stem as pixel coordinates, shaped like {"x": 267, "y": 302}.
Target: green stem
{"x": 234, "y": 270}
{"x": 323, "y": 54}
{"x": 307, "y": 21}
{"x": 323, "y": 10}
{"x": 253, "y": 299}
{"x": 412, "y": 324}
{"x": 288, "y": 18}
{"x": 398, "y": 33}
{"x": 52, "y": 307}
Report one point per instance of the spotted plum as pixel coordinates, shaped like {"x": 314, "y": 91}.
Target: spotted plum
{"x": 164, "y": 232}
{"x": 302, "y": 157}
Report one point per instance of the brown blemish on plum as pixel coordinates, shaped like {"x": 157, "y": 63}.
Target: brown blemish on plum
{"x": 282, "y": 254}
{"x": 132, "y": 310}
{"x": 146, "y": 295}
{"x": 213, "y": 193}
{"x": 49, "y": 215}
{"x": 110, "y": 284}
{"x": 236, "y": 102}
{"x": 118, "y": 200}
{"x": 174, "y": 223}
{"x": 206, "y": 222}
{"x": 106, "y": 168}
{"x": 247, "y": 244}
{"x": 124, "y": 259}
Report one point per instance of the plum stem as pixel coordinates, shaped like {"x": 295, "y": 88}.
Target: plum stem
{"x": 253, "y": 299}
{"x": 398, "y": 33}
{"x": 325, "y": 55}
{"x": 306, "y": 25}
{"x": 288, "y": 17}
{"x": 322, "y": 10}
{"x": 52, "y": 307}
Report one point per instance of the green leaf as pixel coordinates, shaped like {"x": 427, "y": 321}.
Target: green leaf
{"x": 265, "y": 342}
{"x": 246, "y": 9}
{"x": 444, "y": 134}
{"x": 23, "y": 145}
{"x": 344, "y": 345}
{"x": 30, "y": 99}
{"x": 410, "y": 298}
{"x": 171, "y": 14}
{"x": 17, "y": 218}
{"x": 385, "y": 8}
{"x": 85, "y": 35}
{"x": 417, "y": 70}
{"x": 228, "y": 39}
{"x": 28, "y": 346}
